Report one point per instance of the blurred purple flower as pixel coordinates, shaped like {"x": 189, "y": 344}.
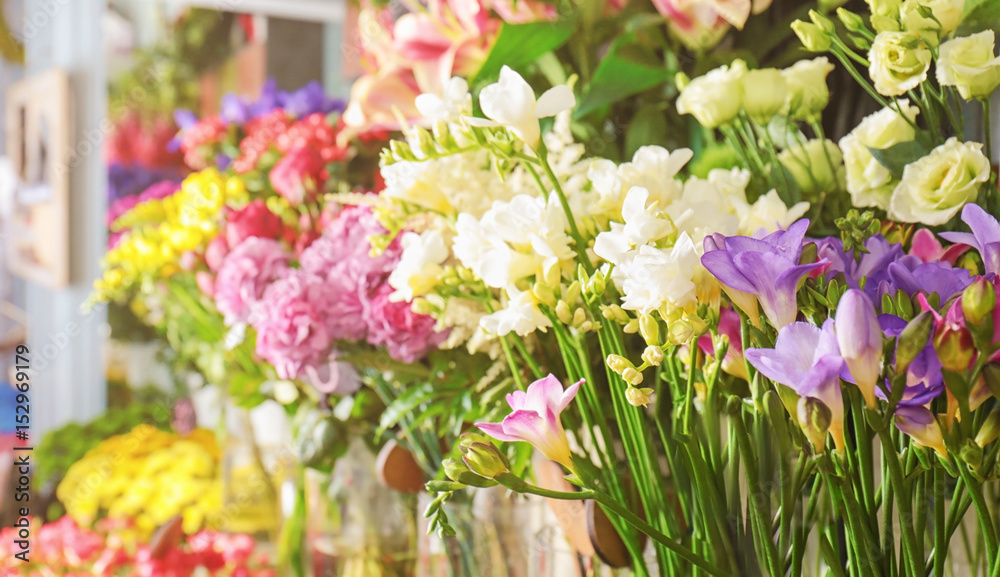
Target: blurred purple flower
{"x": 310, "y": 99}
{"x": 919, "y": 423}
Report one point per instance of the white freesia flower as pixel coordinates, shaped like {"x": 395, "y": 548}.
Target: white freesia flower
{"x": 419, "y": 266}
{"x": 934, "y": 188}
{"x": 642, "y": 225}
{"x": 706, "y": 207}
{"x": 969, "y": 64}
{"x": 769, "y": 214}
{"x": 454, "y": 103}
{"x": 870, "y": 183}
{"x": 655, "y": 168}
{"x": 521, "y": 315}
{"x": 511, "y": 103}
{"x": 488, "y": 255}
{"x": 658, "y": 277}
{"x": 898, "y": 62}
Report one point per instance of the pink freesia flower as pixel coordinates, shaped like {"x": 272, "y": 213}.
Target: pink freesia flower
{"x": 535, "y": 419}
{"x": 215, "y": 253}
{"x": 927, "y": 248}
{"x": 729, "y": 325}
{"x": 521, "y": 11}
{"x": 245, "y": 274}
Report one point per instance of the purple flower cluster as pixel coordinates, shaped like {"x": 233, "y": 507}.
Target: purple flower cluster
{"x": 129, "y": 180}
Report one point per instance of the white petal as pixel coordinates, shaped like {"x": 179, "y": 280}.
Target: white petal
{"x": 509, "y": 101}
{"x": 554, "y": 101}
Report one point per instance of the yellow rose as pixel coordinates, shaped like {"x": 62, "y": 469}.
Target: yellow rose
{"x": 715, "y": 98}
{"x": 870, "y": 183}
{"x": 968, "y": 63}
{"x": 934, "y": 188}
{"x": 898, "y": 62}
{"x": 808, "y": 94}
{"x": 764, "y": 93}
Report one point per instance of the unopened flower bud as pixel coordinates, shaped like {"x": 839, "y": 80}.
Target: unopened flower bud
{"x": 820, "y": 19}
{"x": 618, "y": 363}
{"x": 815, "y": 418}
{"x": 572, "y": 293}
{"x": 990, "y": 429}
{"x": 681, "y": 80}
{"x": 913, "y": 340}
{"x": 458, "y": 471}
{"x": 860, "y": 339}
{"x": 954, "y": 348}
{"x": 596, "y": 284}
{"x": 486, "y": 460}
{"x": 552, "y": 274}
{"x": 649, "y": 328}
{"x": 978, "y": 301}
{"x": 544, "y": 294}
{"x": 579, "y": 317}
{"x": 852, "y": 21}
{"x": 653, "y": 355}
{"x": 631, "y": 327}
{"x": 632, "y": 376}
{"x": 423, "y": 307}
{"x": 614, "y": 313}
{"x": 563, "y": 313}
{"x": 679, "y": 332}
{"x": 972, "y": 454}
{"x": 401, "y": 150}
{"x": 812, "y": 36}
{"x": 638, "y": 397}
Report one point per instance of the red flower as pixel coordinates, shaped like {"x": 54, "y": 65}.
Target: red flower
{"x": 255, "y": 219}
{"x": 299, "y": 175}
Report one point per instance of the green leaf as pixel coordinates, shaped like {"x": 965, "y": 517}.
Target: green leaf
{"x": 897, "y": 156}
{"x": 245, "y": 390}
{"x": 979, "y": 15}
{"x": 521, "y": 44}
{"x": 628, "y": 68}
{"x": 405, "y": 404}
{"x": 648, "y": 126}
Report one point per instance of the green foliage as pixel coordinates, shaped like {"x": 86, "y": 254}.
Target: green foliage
{"x": 979, "y": 15}
{"x": 520, "y": 44}
{"x": 897, "y": 156}
{"x": 628, "y": 68}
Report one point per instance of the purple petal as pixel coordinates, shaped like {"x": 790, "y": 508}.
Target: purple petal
{"x": 823, "y": 382}
{"x": 185, "y": 118}
{"x": 792, "y": 356}
{"x": 720, "y": 264}
{"x": 777, "y": 281}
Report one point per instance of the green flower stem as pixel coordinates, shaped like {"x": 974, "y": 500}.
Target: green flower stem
{"x": 515, "y": 370}
{"x": 864, "y": 542}
{"x": 940, "y": 534}
{"x": 528, "y": 357}
{"x": 762, "y": 525}
{"x": 515, "y": 483}
{"x": 982, "y": 510}
{"x": 832, "y": 559}
{"x": 888, "y": 537}
{"x": 581, "y": 245}
{"x": 988, "y": 131}
{"x": 904, "y": 502}
{"x": 712, "y": 505}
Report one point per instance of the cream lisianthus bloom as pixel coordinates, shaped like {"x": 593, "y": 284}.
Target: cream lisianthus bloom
{"x": 808, "y": 93}
{"x": 969, "y": 64}
{"x": 511, "y": 102}
{"x": 764, "y": 93}
{"x": 898, "y": 62}
{"x": 816, "y": 166}
{"x": 870, "y": 183}
{"x": 947, "y": 14}
{"x": 934, "y": 188}
{"x": 715, "y": 98}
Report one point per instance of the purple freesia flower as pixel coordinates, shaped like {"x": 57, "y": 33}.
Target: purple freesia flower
{"x": 763, "y": 270}
{"x": 859, "y": 337}
{"x": 910, "y": 275}
{"x": 919, "y": 423}
{"x": 184, "y": 119}
{"x": 872, "y": 264}
{"x": 985, "y": 236}
{"x": 806, "y": 358}
{"x": 234, "y": 109}
{"x": 924, "y": 380}
{"x": 535, "y": 419}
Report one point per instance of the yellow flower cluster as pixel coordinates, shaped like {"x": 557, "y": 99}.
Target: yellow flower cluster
{"x": 147, "y": 476}
{"x": 159, "y": 231}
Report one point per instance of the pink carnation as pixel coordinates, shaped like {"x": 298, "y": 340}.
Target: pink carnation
{"x": 292, "y": 330}
{"x": 245, "y": 274}
{"x": 255, "y": 219}
{"x": 299, "y": 175}
{"x": 407, "y": 336}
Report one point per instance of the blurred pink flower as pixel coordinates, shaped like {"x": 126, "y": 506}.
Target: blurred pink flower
{"x": 407, "y": 336}
{"x": 299, "y": 175}
{"x": 244, "y": 275}
{"x": 702, "y": 23}
{"x": 254, "y": 219}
